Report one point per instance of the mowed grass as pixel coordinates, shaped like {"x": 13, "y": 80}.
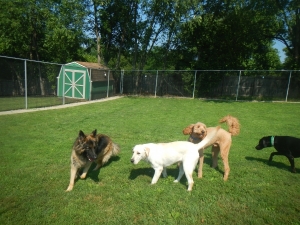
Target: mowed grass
{"x": 35, "y": 166}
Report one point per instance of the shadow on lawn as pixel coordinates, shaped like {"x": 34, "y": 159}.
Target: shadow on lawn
{"x": 94, "y": 175}
{"x": 208, "y": 161}
{"x": 173, "y": 172}
{"x": 134, "y": 173}
{"x": 273, "y": 163}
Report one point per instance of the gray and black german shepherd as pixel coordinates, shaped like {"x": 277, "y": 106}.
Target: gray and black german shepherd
{"x": 90, "y": 148}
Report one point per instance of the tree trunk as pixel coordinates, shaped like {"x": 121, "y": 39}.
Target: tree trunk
{"x": 98, "y": 49}
{"x": 297, "y": 39}
{"x": 97, "y": 33}
{"x": 135, "y": 35}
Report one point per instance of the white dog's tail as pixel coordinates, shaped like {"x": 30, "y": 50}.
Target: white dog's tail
{"x": 208, "y": 140}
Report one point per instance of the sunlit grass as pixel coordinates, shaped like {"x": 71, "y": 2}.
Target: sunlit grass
{"x": 35, "y": 166}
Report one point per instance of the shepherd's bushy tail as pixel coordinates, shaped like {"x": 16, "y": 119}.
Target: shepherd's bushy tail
{"x": 116, "y": 149}
{"x": 232, "y": 123}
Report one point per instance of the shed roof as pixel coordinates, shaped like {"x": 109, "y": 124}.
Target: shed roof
{"x": 92, "y": 65}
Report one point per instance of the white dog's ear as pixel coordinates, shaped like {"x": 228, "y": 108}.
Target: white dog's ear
{"x": 147, "y": 151}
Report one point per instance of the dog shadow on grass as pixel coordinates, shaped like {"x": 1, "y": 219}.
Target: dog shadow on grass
{"x": 272, "y": 163}
{"x": 134, "y": 173}
{"x": 95, "y": 174}
{"x": 171, "y": 171}
{"x": 208, "y": 161}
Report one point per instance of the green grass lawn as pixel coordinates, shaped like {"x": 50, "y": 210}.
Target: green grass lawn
{"x": 35, "y": 166}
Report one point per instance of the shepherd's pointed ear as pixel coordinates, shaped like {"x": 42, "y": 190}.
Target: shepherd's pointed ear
{"x": 94, "y": 132}
{"x": 81, "y": 134}
{"x": 147, "y": 151}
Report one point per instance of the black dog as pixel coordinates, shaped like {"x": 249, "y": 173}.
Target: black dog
{"x": 285, "y": 145}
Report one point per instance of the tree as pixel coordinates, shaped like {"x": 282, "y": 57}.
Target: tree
{"x": 93, "y": 25}
{"x": 21, "y": 24}
{"x": 64, "y": 33}
{"x": 227, "y": 35}
{"x": 288, "y": 32}
{"x": 117, "y": 30}
{"x": 47, "y": 30}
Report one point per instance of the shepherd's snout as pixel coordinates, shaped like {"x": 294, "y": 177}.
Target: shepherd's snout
{"x": 132, "y": 160}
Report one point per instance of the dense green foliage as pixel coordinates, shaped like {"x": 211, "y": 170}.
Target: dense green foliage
{"x": 42, "y": 29}
{"x": 35, "y": 166}
{"x": 164, "y": 34}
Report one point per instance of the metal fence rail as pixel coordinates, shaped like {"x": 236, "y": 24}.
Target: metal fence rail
{"x": 279, "y": 85}
{"x": 33, "y": 84}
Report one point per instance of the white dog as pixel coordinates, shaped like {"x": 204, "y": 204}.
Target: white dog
{"x": 161, "y": 155}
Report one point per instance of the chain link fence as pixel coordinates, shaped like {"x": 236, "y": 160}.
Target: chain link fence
{"x": 27, "y": 84}
{"x": 31, "y": 84}
{"x": 261, "y": 85}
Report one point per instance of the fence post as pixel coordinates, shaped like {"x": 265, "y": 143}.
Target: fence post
{"x": 107, "y": 84}
{"x": 121, "y": 82}
{"x": 63, "y": 87}
{"x": 195, "y": 77}
{"x": 156, "y": 83}
{"x": 288, "y": 87}
{"x": 25, "y": 71}
{"x": 91, "y": 84}
{"x": 238, "y": 86}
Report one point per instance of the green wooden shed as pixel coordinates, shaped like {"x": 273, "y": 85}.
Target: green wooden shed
{"x": 84, "y": 80}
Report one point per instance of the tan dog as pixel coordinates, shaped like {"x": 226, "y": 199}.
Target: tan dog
{"x": 222, "y": 144}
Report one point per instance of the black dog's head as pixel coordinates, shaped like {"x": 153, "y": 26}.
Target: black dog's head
{"x": 86, "y": 145}
{"x": 263, "y": 143}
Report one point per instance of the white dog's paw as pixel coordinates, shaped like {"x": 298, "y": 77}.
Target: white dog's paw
{"x": 190, "y": 186}
{"x": 175, "y": 181}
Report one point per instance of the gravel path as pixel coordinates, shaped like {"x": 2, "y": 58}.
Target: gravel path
{"x": 58, "y": 106}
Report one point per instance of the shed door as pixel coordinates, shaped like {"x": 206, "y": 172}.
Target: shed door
{"x": 75, "y": 83}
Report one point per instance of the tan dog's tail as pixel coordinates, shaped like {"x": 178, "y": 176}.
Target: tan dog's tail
{"x": 232, "y": 123}
{"x": 115, "y": 149}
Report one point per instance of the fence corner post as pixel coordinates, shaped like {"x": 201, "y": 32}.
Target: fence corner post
{"x": 156, "y": 83}
{"x": 91, "y": 85}
{"x": 121, "y": 81}
{"x": 195, "y": 77}
{"x": 25, "y": 77}
{"x": 238, "y": 86}
{"x": 107, "y": 94}
{"x": 288, "y": 87}
{"x": 63, "y": 87}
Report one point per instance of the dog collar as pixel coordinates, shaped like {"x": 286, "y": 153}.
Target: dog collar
{"x": 195, "y": 138}
{"x": 272, "y": 140}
